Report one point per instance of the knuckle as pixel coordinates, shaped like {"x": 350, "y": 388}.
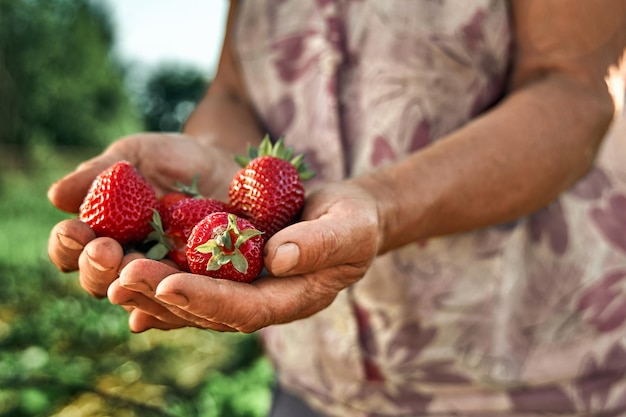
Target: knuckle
{"x": 254, "y": 320}
{"x": 327, "y": 242}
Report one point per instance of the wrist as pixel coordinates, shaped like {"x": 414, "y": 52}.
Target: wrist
{"x": 224, "y": 122}
{"x": 382, "y": 196}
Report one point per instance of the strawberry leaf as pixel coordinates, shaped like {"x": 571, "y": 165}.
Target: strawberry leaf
{"x": 157, "y": 252}
{"x": 239, "y": 262}
{"x": 208, "y": 247}
{"x": 224, "y": 241}
{"x": 277, "y": 150}
{"x": 242, "y": 161}
{"x": 160, "y": 249}
{"x": 265, "y": 148}
{"x": 245, "y": 235}
{"x": 253, "y": 152}
{"x": 191, "y": 189}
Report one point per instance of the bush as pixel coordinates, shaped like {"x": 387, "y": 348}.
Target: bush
{"x": 64, "y": 353}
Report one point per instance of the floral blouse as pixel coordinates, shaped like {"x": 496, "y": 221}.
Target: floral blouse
{"x": 521, "y": 319}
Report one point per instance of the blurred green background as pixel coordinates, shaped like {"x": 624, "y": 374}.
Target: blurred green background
{"x": 63, "y": 98}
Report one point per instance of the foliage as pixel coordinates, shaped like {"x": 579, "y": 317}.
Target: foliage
{"x": 65, "y": 353}
{"x": 169, "y": 96}
{"x": 58, "y": 83}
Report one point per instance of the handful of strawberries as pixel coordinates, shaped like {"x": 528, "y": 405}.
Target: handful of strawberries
{"x": 200, "y": 234}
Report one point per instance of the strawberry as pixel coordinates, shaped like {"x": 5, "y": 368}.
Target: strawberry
{"x": 167, "y": 200}
{"x": 181, "y": 191}
{"x": 269, "y": 189}
{"x": 172, "y": 228}
{"x": 223, "y": 245}
{"x": 119, "y": 204}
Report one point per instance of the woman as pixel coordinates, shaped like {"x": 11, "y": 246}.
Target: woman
{"x": 461, "y": 242}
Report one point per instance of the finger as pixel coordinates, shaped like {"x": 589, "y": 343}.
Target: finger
{"x": 245, "y": 307}
{"x": 117, "y": 294}
{"x": 66, "y": 242}
{"x": 330, "y": 241}
{"x": 139, "y": 321}
{"x": 68, "y": 193}
{"x": 99, "y": 264}
{"x": 138, "y": 281}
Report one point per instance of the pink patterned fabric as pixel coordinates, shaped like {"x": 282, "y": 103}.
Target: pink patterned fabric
{"x": 520, "y": 319}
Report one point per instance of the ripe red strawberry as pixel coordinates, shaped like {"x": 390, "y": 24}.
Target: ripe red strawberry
{"x": 269, "y": 190}
{"x": 181, "y": 191}
{"x": 173, "y": 228}
{"x": 184, "y": 215}
{"x": 119, "y": 204}
{"x": 167, "y": 200}
{"x": 223, "y": 245}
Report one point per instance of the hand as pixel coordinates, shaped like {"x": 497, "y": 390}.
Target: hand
{"x": 309, "y": 263}
{"x": 163, "y": 159}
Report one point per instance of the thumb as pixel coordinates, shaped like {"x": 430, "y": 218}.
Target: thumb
{"x": 68, "y": 193}
{"x": 314, "y": 245}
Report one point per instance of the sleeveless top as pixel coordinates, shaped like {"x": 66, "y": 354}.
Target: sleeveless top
{"x": 521, "y": 318}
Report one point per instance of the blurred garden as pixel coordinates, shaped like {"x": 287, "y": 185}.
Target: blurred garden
{"x": 63, "y": 98}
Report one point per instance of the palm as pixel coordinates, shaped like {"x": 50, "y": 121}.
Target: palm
{"x": 163, "y": 159}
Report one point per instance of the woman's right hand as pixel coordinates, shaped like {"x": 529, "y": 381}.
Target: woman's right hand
{"x": 163, "y": 159}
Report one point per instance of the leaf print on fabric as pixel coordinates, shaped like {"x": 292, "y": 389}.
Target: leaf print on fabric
{"x": 421, "y": 136}
{"x": 368, "y": 345}
{"x": 499, "y": 333}
{"x": 472, "y": 32}
{"x": 408, "y": 397}
{"x": 488, "y": 96}
{"x": 292, "y": 57}
{"x": 409, "y": 341}
{"x": 473, "y": 37}
{"x": 550, "y": 222}
{"x": 397, "y": 400}
{"x": 382, "y": 152}
{"x": 604, "y": 303}
{"x": 611, "y": 220}
{"x": 439, "y": 372}
{"x": 595, "y": 388}
{"x": 280, "y": 115}
{"x": 545, "y": 399}
{"x": 543, "y": 304}
{"x": 592, "y": 185}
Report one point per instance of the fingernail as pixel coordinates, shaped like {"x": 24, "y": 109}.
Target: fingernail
{"x": 175, "y": 299}
{"x": 139, "y": 286}
{"x": 285, "y": 259}
{"x": 52, "y": 190}
{"x": 69, "y": 243}
{"x": 97, "y": 265}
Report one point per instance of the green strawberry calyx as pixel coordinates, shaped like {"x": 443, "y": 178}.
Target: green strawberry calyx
{"x": 160, "y": 249}
{"x": 190, "y": 189}
{"x": 223, "y": 250}
{"x": 277, "y": 150}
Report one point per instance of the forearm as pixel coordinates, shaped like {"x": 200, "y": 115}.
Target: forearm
{"x": 506, "y": 164}
{"x": 225, "y": 117}
{"x": 224, "y": 121}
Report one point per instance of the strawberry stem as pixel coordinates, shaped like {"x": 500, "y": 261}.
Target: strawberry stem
{"x": 191, "y": 189}
{"x": 277, "y": 150}
{"x": 160, "y": 249}
{"x": 222, "y": 249}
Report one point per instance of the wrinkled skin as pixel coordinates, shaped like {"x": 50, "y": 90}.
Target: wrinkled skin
{"x": 308, "y": 263}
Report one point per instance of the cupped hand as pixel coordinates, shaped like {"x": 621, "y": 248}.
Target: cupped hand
{"x": 163, "y": 159}
{"x": 309, "y": 263}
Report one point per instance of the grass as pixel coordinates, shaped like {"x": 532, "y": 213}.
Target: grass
{"x": 63, "y": 353}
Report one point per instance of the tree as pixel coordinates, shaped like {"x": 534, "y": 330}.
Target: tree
{"x": 169, "y": 96}
{"x": 58, "y": 82}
